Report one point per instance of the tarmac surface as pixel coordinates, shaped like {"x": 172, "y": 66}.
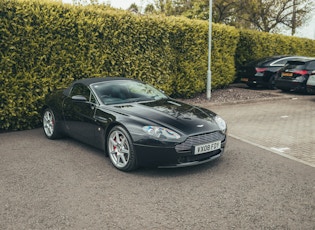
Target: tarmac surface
{"x": 284, "y": 124}
{"x": 64, "y": 184}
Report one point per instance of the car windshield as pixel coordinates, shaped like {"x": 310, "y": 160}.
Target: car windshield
{"x": 125, "y": 91}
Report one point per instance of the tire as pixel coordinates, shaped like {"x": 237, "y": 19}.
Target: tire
{"x": 120, "y": 149}
{"x": 271, "y": 83}
{"x": 49, "y": 125}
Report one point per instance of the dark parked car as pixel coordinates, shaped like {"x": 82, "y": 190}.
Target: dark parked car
{"x": 134, "y": 123}
{"x": 262, "y": 72}
{"x": 294, "y": 75}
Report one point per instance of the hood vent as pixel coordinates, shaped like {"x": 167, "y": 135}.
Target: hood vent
{"x": 123, "y": 106}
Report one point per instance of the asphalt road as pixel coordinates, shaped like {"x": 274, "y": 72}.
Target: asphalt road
{"x": 66, "y": 185}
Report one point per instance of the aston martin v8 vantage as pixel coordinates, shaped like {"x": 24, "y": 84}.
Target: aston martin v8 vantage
{"x": 134, "y": 123}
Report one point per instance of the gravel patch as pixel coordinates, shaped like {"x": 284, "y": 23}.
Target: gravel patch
{"x": 235, "y": 93}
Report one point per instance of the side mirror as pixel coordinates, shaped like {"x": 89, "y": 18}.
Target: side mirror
{"x": 79, "y": 98}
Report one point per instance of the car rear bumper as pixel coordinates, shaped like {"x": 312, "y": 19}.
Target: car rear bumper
{"x": 256, "y": 80}
{"x": 293, "y": 85}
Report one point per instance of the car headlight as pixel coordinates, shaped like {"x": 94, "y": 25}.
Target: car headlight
{"x": 221, "y": 123}
{"x": 160, "y": 132}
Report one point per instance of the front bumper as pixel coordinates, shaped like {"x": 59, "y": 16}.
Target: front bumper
{"x": 168, "y": 157}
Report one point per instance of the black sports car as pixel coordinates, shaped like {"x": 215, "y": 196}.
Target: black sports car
{"x": 263, "y": 72}
{"x": 134, "y": 123}
{"x": 294, "y": 75}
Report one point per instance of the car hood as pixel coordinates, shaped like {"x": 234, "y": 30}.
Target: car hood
{"x": 172, "y": 114}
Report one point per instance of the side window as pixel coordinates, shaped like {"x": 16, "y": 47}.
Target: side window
{"x": 280, "y": 62}
{"x": 92, "y": 99}
{"x": 79, "y": 89}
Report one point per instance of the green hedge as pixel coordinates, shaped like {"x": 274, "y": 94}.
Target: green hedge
{"x": 190, "y": 43}
{"x": 254, "y": 45}
{"x": 45, "y": 45}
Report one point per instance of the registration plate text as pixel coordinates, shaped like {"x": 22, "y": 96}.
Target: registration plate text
{"x": 204, "y": 148}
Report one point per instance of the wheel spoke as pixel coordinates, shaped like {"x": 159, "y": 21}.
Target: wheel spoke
{"x": 113, "y": 142}
{"x": 123, "y": 141}
{"x": 125, "y": 151}
{"x": 117, "y": 137}
{"x": 116, "y": 158}
{"x": 45, "y": 118}
{"x": 50, "y": 128}
{"x": 123, "y": 158}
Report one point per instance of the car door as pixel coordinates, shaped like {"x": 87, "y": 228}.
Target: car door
{"x": 79, "y": 110}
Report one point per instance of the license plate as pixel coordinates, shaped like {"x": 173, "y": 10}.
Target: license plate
{"x": 287, "y": 74}
{"x": 204, "y": 148}
{"x": 244, "y": 79}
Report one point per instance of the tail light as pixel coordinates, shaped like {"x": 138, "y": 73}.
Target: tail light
{"x": 301, "y": 72}
{"x": 260, "y": 70}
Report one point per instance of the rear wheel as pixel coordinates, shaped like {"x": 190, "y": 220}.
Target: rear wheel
{"x": 49, "y": 125}
{"x": 120, "y": 149}
{"x": 271, "y": 83}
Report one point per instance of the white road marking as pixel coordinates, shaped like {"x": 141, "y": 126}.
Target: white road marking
{"x": 281, "y": 150}
{"x": 271, "y": 150}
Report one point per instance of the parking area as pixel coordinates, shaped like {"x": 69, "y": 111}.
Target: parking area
{"x": 64, "y": 184}
{"x": 284, "y": 125}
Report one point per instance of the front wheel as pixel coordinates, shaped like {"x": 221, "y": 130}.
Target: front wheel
{"x": 49, "y": 125}
{"x": 120, "y": 149}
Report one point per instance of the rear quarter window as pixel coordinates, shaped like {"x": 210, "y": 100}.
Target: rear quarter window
{"x": 283, "y": 61}
{"x": 295, "y": 65}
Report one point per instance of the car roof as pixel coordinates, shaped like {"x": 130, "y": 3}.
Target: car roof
{"x": 89, "y": 81}
{"x": 272, "y": 61}
{"x": 266, "y": 61}
{"x": 92, "y": 80}
{"x": 304, "y": 60}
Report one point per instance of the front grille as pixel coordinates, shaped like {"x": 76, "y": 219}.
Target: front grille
{"x": 199, "y": 139}
{"x": 201, "y": 157}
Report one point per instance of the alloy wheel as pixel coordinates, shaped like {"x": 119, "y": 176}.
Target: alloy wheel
{"x": 119, "y": 149}
{"x": 49, "y": 123}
